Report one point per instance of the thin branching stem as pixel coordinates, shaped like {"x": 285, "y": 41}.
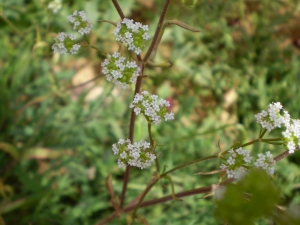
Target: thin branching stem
{"x": 183, "y": 194}
{"x": 131, "y": 133}
{"x": 189, "y": 164}
{"x": 132, "y": 117}
{"x": 153, "y": 146}
{"x": 118, "y": 8}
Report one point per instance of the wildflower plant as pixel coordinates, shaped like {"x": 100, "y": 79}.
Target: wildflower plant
{"x": 235, "y": 163}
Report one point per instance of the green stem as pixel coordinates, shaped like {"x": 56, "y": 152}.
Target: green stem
{"x": 150, "y": 135}
{"x": 271, "y": 139}
{"x": 261, "y": 140}
{"x": 98, "y": 49}
{"x": 189, "y": 164}
{"x": 250, "y": 143}
{"x": 263, "y": 133}
{"x": 150, "y": 185}
{"x": 87, "y": 39}
{"x": 153, "y": 146}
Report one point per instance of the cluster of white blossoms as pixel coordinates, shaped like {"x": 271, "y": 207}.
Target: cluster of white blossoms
{"x": 120, "y": 71}
{"x": 272, "y": 118}
{"x": 153, "y": 109}
{"x": 234, "y": 165}
{"x": 55, "y": 5}
{"x": 239, "y": 160}
{"x": 65, "y": 44}
{"x": 136, "y": 154}
{"x": 80, "y": 22}
{"x": 132, "y": 33}
{"x": 291, "y": 136}
{"x": 266, "y": 162}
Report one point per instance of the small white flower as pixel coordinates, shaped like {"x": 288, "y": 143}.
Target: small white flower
{"x": 155, "y": 110}
{"x": 55, "y": 5}
{"x": 230, "y": 161}
{"x": 136, "y": 154}
{"x": 132, "y": 33}
{"x": 235, "y": 163}
{"x": 272, "y": 118}
{"x": 65, "y": 44}
{"x": 120, "y": 71}
{"x": 291, "y": 136}
{"x": 80, "y": 22}
{"x": 266, "y": 162}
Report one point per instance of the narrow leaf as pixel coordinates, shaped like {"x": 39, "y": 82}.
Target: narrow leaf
{"x": 209, "y": 173}
{"x": 168, "y": 177}
{"x": 109, "y": 187}
{"x": 107, "y": 21}
{"x": 181, "y": 24}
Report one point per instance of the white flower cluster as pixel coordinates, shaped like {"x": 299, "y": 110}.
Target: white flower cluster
{"x": 55, "y": 5}
{"x": 235, "y": 163}
{"x": 119, "y": 71}
{"x": 272, "y": 118}
{"x": 291, "y": 136}
{"x": 266, "y": 162}
{"x": 136, "y": 154}
{"x": 153, "y": 109}
{"x": 65, "y": 44}
{"x": 80, "y": 22}
{"x": 132, "y": 33}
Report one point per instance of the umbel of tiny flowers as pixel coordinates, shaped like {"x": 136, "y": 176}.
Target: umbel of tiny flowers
{"x": 133, "y": 34}
{"x": 80, "y": 22}
{"x": 266, "y": 162}
{"x": 136, "y": 154}
{"x": 54, "y": 5}
{"x": 65, "y": 44}
{"x": 272, "y": 118}
{"x": 153, "y": 109}
{"x": 120, "y": 71}
{"x": 291, "y": 136}
{"x": 235, "y": 164}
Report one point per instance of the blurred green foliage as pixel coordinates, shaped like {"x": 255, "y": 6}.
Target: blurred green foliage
{"x": 239, "y": 204}
{"x": 55, "y": 140}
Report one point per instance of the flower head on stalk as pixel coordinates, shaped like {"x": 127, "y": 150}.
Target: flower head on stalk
{"x": 120, "y": 71}
{"x": 136, "y": 154}
{"x": 132, "y": 33}
{"x": 65, "y": 44}
{"x": 80, "y": 22}
{"x": 272, "y": 118}
{"x": 55, "y": 5}
{"x": 266, "y": 162}
{"x": 153, "y": 109}
{"x": 235, "y": 163}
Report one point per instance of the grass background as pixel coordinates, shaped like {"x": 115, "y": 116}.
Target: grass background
{"x": 55, "y": 138}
